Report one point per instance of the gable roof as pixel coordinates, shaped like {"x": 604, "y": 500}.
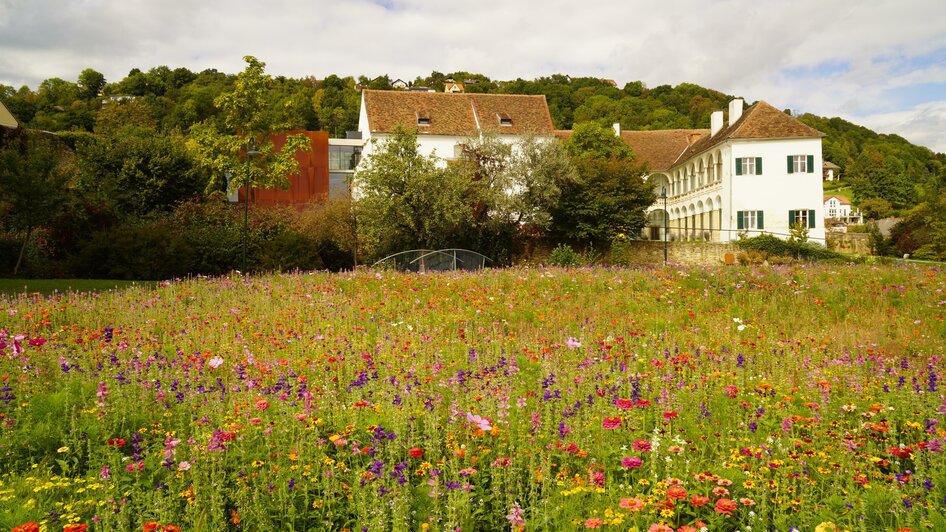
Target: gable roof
{"x": 828, "y": 165}
{"x": 761, "y": 121}
{"x": 6, "y": 117}
{"x": 659, "y": 149}
{"x": 842, "y": 199}
{"x": 457, "y": 114}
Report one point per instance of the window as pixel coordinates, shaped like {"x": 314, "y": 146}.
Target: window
{"x": 423, "y": 118}
{"x": 343, "y": 157}
{"x": 339, "y": 184}
{"x": 504, "y": 119}
{"x": 832, "y": 213}
{"x": 804, "y": 217}
{"x": 801, "y": 164}
{"x": 749, "y": 166}
{"x": 749, "y": 220}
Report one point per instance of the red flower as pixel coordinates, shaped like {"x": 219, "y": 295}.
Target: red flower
{"x": 150, "y": 526}
{"x": 676, "y": 492}
{"x": 725, "y": 506}
{"x": 171, "y": 528}
{"x": 671, "y": 415}
{"x": 415, "y": 452}
{"x": 699, "y": 500}
{"x": 116, "y": 442}
{"x": 26, "y": 527}
{"x": 624, "y": 404}
{"x": 611, "y": 422}
{"x": 75, "y": 527}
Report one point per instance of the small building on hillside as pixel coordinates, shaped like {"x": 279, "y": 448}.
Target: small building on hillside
{"x": 831, "y": 171}
{"x": 454, "y": 87}
{"x": 399, "y": 84}
{"x": 838, "y": 210}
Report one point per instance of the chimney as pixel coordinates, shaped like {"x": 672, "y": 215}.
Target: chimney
{"x": 735, "y": 110}
{"x": 617, "y": 129}
{"x": 716, "y": 122}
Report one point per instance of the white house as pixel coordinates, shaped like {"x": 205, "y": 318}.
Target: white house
{"x": 759, "y": 172}
{"x": 444, "y": 121}
{"x": 838, "y": 208}
{"x": 831, "y": 171}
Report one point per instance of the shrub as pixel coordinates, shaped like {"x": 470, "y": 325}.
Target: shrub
{"x": 563, "y": 255}
{"x": 772, "y": 246}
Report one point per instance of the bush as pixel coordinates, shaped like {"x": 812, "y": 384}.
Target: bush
{"x": 771, "y": 246}
{"x": 563, "y": 255}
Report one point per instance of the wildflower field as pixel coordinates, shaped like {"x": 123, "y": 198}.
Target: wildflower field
{"x": 522, "y": 399}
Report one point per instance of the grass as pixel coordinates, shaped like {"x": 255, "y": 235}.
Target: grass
{"x": 12, "y": 287}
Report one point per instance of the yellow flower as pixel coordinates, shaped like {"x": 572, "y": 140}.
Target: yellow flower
{"x": 63, "y": 449}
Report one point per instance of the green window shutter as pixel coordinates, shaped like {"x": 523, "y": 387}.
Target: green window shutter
{"x": 811, "y": 164}
{"x": 791, "y": 169}
{"x": 811, "y": 217}
{"x": 740, "y": 220}
{"x": 791, "y": 218}
{"x": 758, "y": 220}
{"x": 758, "y": 166}
{"x": 739, "y": 166}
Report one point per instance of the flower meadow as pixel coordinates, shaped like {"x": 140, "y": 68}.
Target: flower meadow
{"x": 775, "y": 398}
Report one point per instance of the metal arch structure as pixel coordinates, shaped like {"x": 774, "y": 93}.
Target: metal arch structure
{"x": 427, "y": 260}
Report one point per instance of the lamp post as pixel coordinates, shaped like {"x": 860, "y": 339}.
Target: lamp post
{"x": 250, "y": 152}
{"x": 663, "y": 195}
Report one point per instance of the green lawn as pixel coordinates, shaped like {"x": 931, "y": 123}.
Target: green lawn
{"x": 48, "y": 286}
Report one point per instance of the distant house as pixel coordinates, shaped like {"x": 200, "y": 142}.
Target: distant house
{"x": 399, "y": 84}
{"x": 830, "y": 171}
{"x": 837, "y": 208}
{"x": 420, "y": 88}
{"x": 610, "y": 82}
{"x": 454, "y": 87}
{"x": 6, "y": 118}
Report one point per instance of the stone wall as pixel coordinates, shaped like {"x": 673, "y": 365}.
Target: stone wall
{"x": 856, "y": 243}
{"x": 651, "y": 252}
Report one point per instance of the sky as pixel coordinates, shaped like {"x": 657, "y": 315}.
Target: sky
{"x": 881, "y": 64}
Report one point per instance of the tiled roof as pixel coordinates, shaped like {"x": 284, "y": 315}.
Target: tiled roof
{"x": 761, "y": 121}
{"x": 657, "y": 149}
{"x": 457, "y": 114}
{"x": 842, "y": 199}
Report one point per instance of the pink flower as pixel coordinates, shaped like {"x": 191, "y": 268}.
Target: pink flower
{"x": 631, "y": 462}
{"x": 572, "y": 343}
{"x": 480, "y": 422}
{"x": 215, "y": 362}
{"x": 624, "y": 404}
{"x": 515, "y": 515}
{"x": 641, "y": 446}
{"x": 725, "y": 506}
{"x": 593, "y": 522}
{"x": 611, "y": 422}
{"x": 183, "y": 466}
{"x": 633, "y": 504}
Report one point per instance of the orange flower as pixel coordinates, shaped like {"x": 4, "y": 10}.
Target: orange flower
{"x": 725, "y": 506}
{"x": 150, "y": 526}
{"x": 75, "y": 527}
{"x": 26, "y": 527}
{"x": 676, "y": 492}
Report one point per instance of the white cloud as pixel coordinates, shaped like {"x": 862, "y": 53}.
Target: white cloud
{"x": 831, "y": 58}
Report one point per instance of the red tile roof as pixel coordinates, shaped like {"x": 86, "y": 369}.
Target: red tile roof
{"x": 657, "y": 149}
{"x": 457, "y": 114}
{"x": 761, "y": 121}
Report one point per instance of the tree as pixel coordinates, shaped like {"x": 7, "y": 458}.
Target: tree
{"x": 610, "y": 195}
{"x": 248, "y": 123}
{"x": 33, "y": 178}
{"x": 91, "y": 83}
{"x": 406, "y": 200}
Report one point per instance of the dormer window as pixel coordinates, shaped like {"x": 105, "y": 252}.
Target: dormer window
{"x": 504, "y": 119}
{"x": 423, "y": 118}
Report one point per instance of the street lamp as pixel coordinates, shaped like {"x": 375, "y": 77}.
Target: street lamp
{"x": 250, "y": 152}
{"x": 663, "y": 195}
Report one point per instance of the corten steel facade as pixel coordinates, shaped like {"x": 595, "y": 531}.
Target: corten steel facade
{"x": 310, "y": 185}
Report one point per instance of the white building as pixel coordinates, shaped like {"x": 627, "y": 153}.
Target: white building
{"x": 759, "y": 172}
{"x": 445, "y": 121}
{"x": 838, "y": 208}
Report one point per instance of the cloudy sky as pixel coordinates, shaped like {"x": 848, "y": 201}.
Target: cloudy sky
{"x": 881, "y": 64}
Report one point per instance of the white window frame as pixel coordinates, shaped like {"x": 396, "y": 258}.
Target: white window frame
{"x": 800, "y": 164}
